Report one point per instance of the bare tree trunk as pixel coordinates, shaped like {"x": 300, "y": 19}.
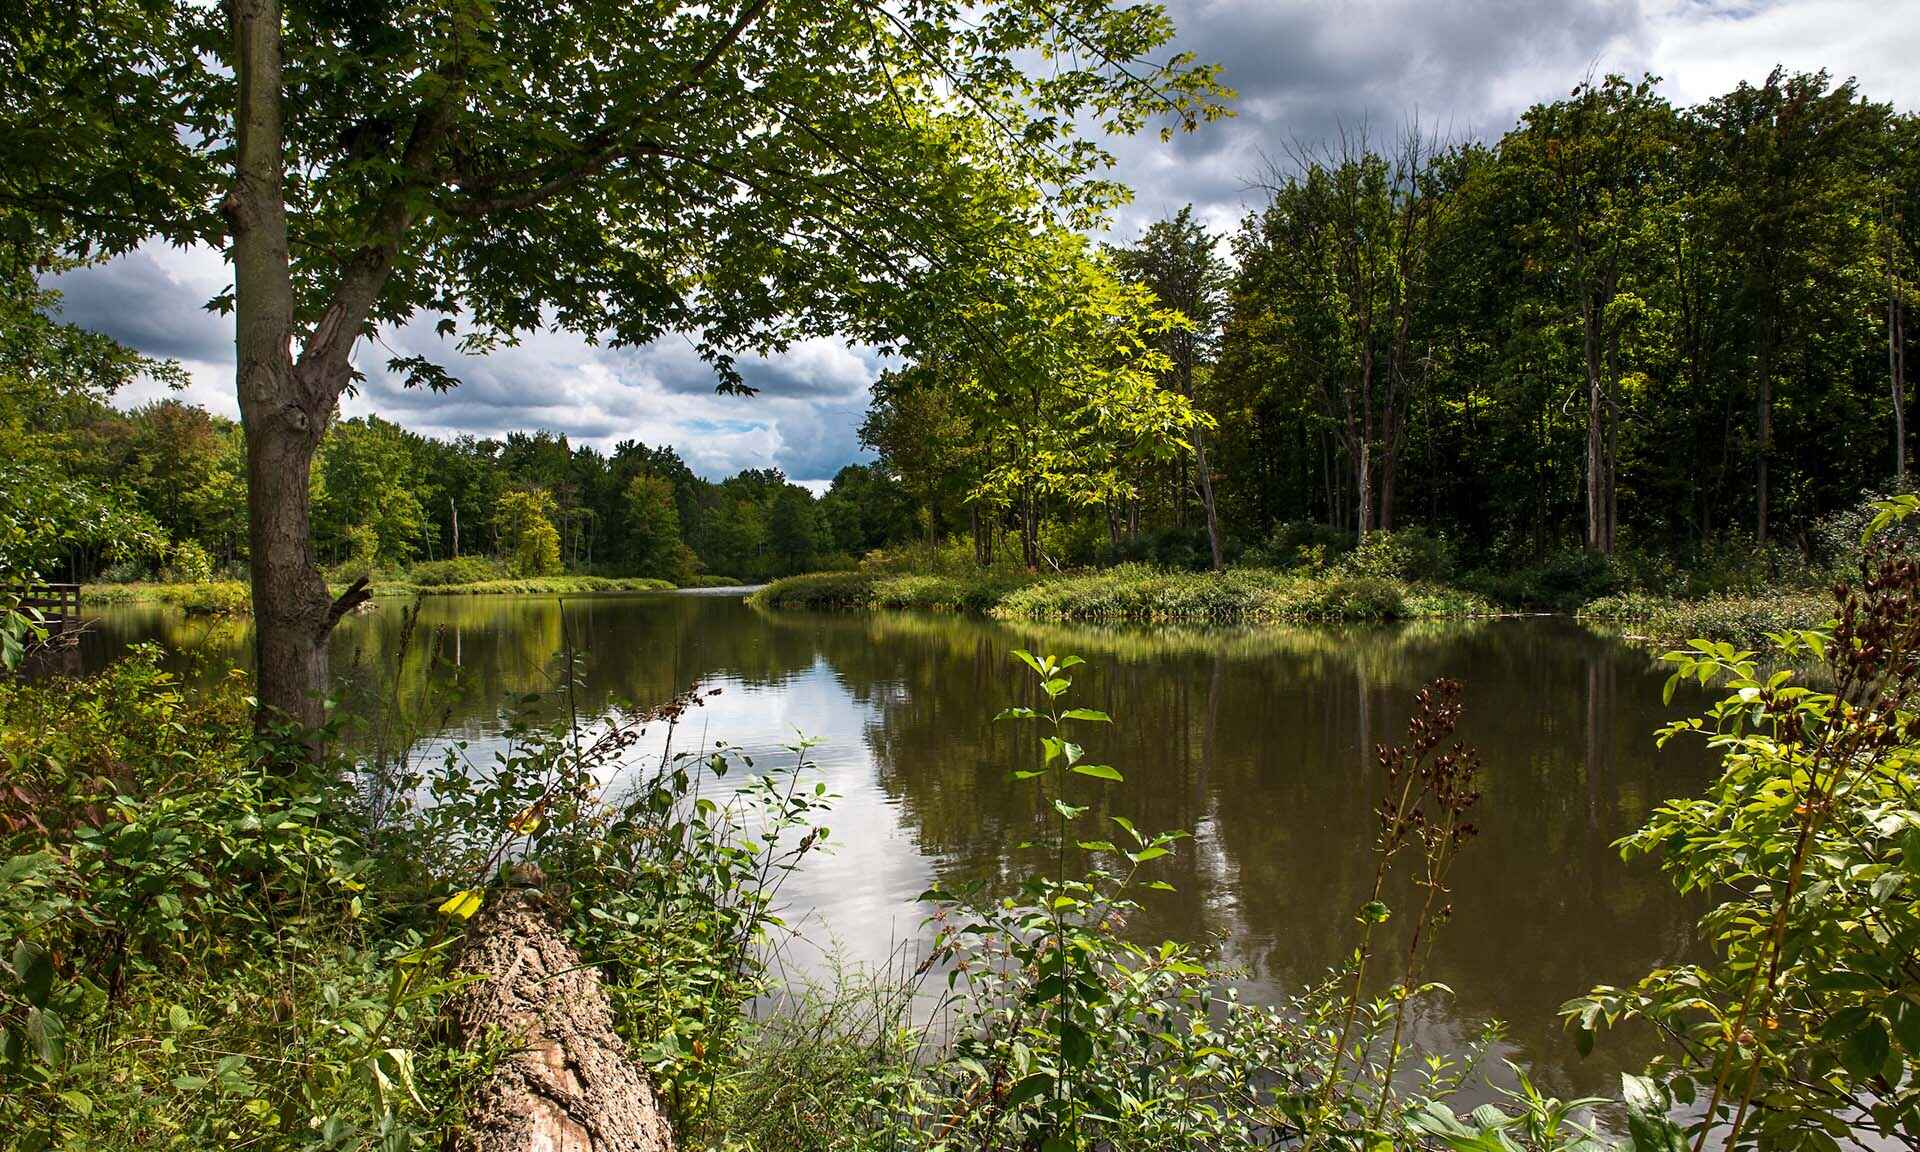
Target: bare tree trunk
{"x": 1389, "y": 458}
{"x": 1029, "y": 531}
{"x": 1363, "y": 459}
{"x": 1764, "y": 419}
{"x": 1206, "y": 500}
{"x": 1896, "y": 372}
{"x": 1363, "y": 488}
{"x": 567, "y": 1082}
{"x": 1601, "y": 352}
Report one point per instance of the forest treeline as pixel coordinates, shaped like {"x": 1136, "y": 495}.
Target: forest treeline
{"x": 1622, "y": 323}
{"x": 169, "y": 481}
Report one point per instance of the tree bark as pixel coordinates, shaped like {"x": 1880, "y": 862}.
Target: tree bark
{"x": 1896, "y": 372}
{"x": 568, "y": 1083}
{"x": 1764, "y": 447}
{"x": 1596, "y": 443}
{"x": 282, "y": 422}
{"x": 1206, "y": 500}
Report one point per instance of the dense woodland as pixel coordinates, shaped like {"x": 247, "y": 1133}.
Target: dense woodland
{"x": 1621, "y": 323}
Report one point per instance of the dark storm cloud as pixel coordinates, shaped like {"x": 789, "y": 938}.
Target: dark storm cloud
{"x": 1305, "y": 70}
{"x": 137, "y": 302}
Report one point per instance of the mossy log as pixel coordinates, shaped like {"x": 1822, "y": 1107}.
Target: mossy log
{"x": 566, "y": 1082}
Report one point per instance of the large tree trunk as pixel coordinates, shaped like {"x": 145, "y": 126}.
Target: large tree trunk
{"x": 290, "y": 603}
{"x": 567, "y": 1082}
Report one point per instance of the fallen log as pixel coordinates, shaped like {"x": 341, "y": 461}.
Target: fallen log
{"x": 567, "y": 1083}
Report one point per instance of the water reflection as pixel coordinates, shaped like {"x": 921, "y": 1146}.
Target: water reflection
{"x": 1250, "y": 739}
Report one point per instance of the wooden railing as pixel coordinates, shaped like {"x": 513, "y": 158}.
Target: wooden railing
{"x": 57, "y": 604}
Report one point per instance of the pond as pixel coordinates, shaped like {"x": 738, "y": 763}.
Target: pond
{"x": 1252, "y": 740}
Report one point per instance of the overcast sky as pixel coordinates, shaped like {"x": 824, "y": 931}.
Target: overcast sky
{"x": 1302, "y": 67}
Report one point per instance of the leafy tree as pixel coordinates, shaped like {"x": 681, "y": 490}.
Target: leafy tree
{"x": 524, "y": 519}
{"x": 915, "y": 422}
{"x": 749, "y": 173}
{"x": 53, "y": 375}
{"x": 1593, "y": 167}
{"x": 368, "y": 488}
{"x": 794, "y": 531}
{"x": 1176, "y": 259}
{"x": 1060, "y": 386}
{"x": 654, "y": 547}
{"x": 1346, "y": 240}
{"x": 1789, "y": 171}
{"x": 865, "y": 508}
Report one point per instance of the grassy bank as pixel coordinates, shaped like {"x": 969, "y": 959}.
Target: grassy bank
{"x": 1666, "y": 622}
{"x": 223, "y": 597}
{"x": 1132, "y": 593}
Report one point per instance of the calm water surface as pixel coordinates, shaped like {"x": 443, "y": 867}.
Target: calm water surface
{"x": 1252, "y": 740}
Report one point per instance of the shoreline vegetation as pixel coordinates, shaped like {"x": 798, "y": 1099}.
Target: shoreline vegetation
{"x": 231, "y": 597}
{"x": 1131, "y": 594}
{"x": 1253, "y": 596}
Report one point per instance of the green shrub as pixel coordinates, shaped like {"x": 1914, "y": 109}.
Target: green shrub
{"x": 127, "y": 570}
{"x": 1299, "y": 543}
{"x": 1805, "y": 1025}
{"x": 220, "y": 598}
{"x": 188, "y": 563}
{"x": 1406, "y": 554}
{"x": 184, "y": 962}
{"x": 975, "y": 593}
{"x": 216, "y": 600}
{"x": 711, "y": 580}
{"x": 208, "y": 940}
{"x": 1562, "y": 580}
{"x": 1357, "y": 598}
{"x": 1742, "y": 620}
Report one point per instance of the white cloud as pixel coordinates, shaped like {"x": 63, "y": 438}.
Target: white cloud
{"x": 1704, "y": 47}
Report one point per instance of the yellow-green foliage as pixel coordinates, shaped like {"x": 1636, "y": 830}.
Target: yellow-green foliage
{"x": 219, "y": 598}
{"x": 525, "y": 520}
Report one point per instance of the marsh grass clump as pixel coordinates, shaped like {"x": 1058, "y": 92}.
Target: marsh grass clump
{"x": 818, "y": 591}
{"x": 1745, "y": 621}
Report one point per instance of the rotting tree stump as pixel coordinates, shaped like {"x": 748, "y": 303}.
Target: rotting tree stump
{"x": 567, "y": 1082}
